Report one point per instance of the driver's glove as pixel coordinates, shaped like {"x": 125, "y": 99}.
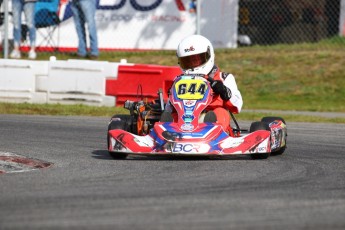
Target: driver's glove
{"x": 223, "y": 91}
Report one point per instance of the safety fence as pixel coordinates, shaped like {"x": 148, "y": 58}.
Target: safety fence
{"x": 160, "y": 24}
{"x": 293, "y": 21}
{"x": 96, "y": 83}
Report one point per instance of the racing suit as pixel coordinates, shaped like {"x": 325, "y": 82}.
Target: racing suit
{"x": 233, "y": 99}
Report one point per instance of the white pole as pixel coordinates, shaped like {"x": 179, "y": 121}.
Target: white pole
{"x": 6, "y": 29}
{"x": 198, "y": 14}
{"x": 342, "y": 19}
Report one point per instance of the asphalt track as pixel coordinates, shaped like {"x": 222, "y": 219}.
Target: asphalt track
{"x": 85, "y": 189}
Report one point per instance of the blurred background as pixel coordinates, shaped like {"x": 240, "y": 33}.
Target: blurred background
{"x": 161, "y": 24}
{"x": 293, "y": 21}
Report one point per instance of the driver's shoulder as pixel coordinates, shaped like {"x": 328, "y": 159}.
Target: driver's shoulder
{"x": 223, "y": 76}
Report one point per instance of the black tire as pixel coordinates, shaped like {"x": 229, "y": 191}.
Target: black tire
{"x": 258, "y": 125}
{"x": 268, "y": 120}
{"x": 255, "y": 126}
{"x": 271, "y": 119}
{"x": 123, "y": 123}
{"x": 280, "y": 151}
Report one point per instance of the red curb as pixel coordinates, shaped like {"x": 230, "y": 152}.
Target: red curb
{"x": 21, "y": 163}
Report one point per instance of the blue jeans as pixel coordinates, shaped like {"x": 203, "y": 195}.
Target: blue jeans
{"x": 84, "y": 13}
{"x": 29, "y": 11}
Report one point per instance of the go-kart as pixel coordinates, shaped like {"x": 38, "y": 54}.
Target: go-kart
{"x": 149, "y": 130}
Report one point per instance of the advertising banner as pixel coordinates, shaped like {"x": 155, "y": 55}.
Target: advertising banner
{"x": 152, "y": 24}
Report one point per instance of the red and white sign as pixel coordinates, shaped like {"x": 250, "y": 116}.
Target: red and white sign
{"x": 155, "y": 24}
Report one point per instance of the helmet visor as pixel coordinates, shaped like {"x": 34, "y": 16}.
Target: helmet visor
{"x": 193, "y": 61}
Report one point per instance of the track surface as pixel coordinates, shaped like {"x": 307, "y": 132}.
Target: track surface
{"x": 85, "y": 189}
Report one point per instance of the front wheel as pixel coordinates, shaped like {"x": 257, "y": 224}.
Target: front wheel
{"x": 269, "y": 120}
{"x": 118, "y": 122}
{"x": 255, "y": 126}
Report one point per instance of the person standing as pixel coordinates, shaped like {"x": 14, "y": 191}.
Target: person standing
{"x": 84, "y": 13}
{"x": 28, "y": 6}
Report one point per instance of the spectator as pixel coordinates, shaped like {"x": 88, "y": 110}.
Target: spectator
{"x": 84, "y": 13}
{"x": 192, "y": 6}
{"x": 28, "y": 6}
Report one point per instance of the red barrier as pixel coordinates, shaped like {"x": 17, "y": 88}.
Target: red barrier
{"x": 136, "y": 82}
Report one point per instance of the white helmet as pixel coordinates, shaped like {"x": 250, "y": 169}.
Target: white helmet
{"x": 195, "y": 55}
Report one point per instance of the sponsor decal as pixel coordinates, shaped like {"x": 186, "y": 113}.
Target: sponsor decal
{"x": 193, "y": 135}
{"x": 276, "y": 138}
{"x": 232, "y": 142}
{"x": 65, "y": 12}
{"x": 114, "y": 17}
{"x": 189, "y": 111}
{"x": 117, "y": 143}
{"x": 136, "y": 140}
{"x": 262, "y": 147}
{"x": 188, "y": 117}
{"x": 190, "y": 148}
{"x": 258, "y": 138}
{"x": 143, "y": 141}
{"x": 190, "y": 49}
{"x": 118, "y": 4}
{"x": 167, "y": 18}
{"x": 187, "y": 127}
{"x": 189, "y": 103}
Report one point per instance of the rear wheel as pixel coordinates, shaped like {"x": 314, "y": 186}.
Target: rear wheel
{"x": 269, "y": 120}
{"x": 123, "y": 122}
{"x": 255, "y": 126}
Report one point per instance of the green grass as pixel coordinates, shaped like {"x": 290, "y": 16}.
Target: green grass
{"x": 103, "y": 111}
{"x": 253, "y": 116}
{"x": 59, "y": 109}
{"x": 301, "y": 77}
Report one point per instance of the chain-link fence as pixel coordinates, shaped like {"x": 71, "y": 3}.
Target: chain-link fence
{"x": 262, "y": 22}
{"x": 288, "y": 21}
